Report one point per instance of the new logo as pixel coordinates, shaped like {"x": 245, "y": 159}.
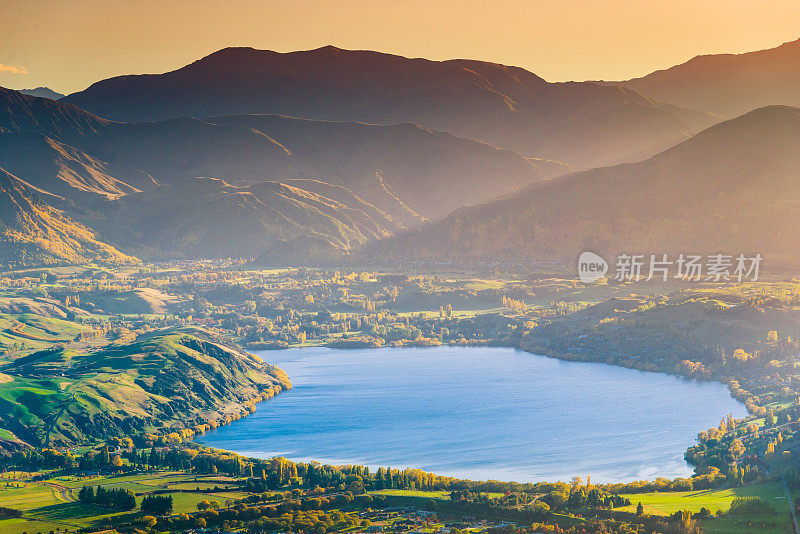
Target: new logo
{"x": 591, "y": 267}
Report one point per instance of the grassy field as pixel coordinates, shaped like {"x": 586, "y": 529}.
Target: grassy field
{"x": 670, "y": 502}
{"x": 771, "y": 492}
{"x": 46, "y": 508}
{"x": 32, "y": 526}
{"x": 28, "y": 497}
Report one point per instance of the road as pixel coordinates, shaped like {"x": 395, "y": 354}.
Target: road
{"x": 64, "y": 492}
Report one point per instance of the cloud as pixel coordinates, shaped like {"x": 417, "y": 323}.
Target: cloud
{"x": 12, "y": 69}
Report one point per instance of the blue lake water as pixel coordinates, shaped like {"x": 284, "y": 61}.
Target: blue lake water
{"x": 479, "y": 413}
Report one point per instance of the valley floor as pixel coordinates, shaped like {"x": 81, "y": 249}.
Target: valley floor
{"x": 82, "y": 349}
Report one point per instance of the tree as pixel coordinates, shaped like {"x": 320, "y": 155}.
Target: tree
{"x": 639, "y": 508}
{"x": 557, "y": 498}
{"x": 86, "y": 495}
{"x": 119, "y": 498}
{"x": 769, "y": 419}
{"x": 157, "y": 504}
{"x": 737, "y": 448}
{"x": 538, "y": 509}
{"x": 152, "y": 461}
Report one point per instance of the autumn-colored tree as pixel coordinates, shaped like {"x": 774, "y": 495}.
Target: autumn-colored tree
{"x": 772, "y": 336}
{"x": 737, "y": 449}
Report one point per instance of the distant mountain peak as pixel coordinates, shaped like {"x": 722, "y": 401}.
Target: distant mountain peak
{"x": 43, "y": 92}
{"x": 20, "y": 112}
{"x": 247, "y": 53}
{"x": 789, "y": 44}
{"x": 330, "y": 49}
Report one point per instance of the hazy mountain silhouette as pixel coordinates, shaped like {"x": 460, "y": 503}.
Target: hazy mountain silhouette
{"x": 733, "y": 188}
{"x": 581, "y": 123}
{"x": 58, "y": 120}
{"x": 66, "y": 171}
{"x": 407, "y": 171}
{"x": 728, "y": 84}
{"x": 363, "y": 181}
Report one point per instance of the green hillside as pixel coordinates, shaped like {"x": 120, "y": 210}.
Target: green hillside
{"x": 175, "y": 376}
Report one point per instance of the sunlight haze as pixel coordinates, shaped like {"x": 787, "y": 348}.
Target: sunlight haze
{"x": 67, "y": 46}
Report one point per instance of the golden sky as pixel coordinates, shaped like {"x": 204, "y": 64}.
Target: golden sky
{"x": 69, "y": 44}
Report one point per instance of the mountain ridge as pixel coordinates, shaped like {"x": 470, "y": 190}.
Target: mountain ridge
{"x": 728, "y": 84}
{"x": 430, "y": 173}
{"x": 574, "y": 122}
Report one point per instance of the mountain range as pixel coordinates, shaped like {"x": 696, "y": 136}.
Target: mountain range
{"x": 731, "y": 189}
{"x": 207, "y": 217}
{"x": 581, "y": 123}
{"x": 268, "y": 179}
{"x": 307, "y": 156}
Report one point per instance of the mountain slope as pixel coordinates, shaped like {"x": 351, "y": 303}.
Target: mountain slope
{"x": 407, "y": 172}
{"x": 167, "y": 150}
{"x": 66, "y": 171}
{"x": 33, "y": 232}
{"x": 58, "y": 120}
{"x": 728, "y": 84}
{"x": 181, "y": 148}
{"x": 733, "y": 188}
{"x": 584, "y": 124}
{"x": 209, "y": 217}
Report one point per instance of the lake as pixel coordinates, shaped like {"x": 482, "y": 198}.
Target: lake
{"x": 479, "y": 413}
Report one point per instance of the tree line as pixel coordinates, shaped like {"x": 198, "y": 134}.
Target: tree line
{"x": 118, "y": 498}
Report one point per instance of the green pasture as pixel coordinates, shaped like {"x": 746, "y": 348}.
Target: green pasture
{"x": 668, "y": 503}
